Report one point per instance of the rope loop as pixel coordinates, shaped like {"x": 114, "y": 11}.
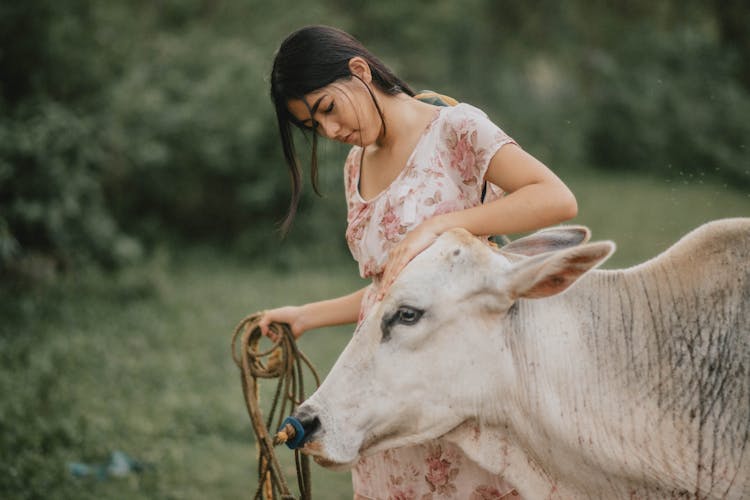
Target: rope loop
{"x": 283, "y": 361}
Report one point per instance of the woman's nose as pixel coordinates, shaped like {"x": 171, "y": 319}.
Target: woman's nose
{"x": 330, "y": 128}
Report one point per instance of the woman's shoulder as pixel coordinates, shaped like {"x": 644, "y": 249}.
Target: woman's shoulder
{"x": 464, "y": 109}
{"x": 352, "y": 159}
{"x": 470, "y": 127}
{"x": 351, "y": 169}
{"x": 353, "y": 153}
{"x": 464, "y": 115}
{"x": 465, "y": 118}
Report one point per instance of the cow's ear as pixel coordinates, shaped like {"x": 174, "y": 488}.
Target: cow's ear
{"x": 552, "y": 273}
{"x": 548, "y": 240}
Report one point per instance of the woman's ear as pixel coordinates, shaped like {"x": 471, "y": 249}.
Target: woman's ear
{"x": 359, "y": 67}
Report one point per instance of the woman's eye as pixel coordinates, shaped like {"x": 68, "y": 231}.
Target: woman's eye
{"x": 329, "y": 108}
{"x": 408, "y": 315}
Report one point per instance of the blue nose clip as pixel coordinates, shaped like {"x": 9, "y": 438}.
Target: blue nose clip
{"x": 299, "y": 432}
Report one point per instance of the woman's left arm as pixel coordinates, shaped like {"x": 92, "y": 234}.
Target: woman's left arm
{"x": 535, "y": 198}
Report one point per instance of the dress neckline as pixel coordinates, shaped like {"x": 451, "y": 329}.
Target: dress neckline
{"x": 406, "y": 167}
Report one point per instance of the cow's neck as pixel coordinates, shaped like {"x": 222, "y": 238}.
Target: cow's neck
{"x": 607, "y": 369}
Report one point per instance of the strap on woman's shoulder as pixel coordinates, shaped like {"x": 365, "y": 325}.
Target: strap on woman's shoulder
{"x": 431, "y": 97}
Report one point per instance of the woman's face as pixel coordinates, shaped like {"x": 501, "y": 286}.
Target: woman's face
{"x": 342, "y": 111}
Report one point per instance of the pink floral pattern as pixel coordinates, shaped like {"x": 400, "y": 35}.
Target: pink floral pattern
{"x": 391, "y": 228}
{"x": 441, "y": 471}
{"x": 462, "y": 152}
{"x": 444, "y": 173}
{"x": 403, "y": 485}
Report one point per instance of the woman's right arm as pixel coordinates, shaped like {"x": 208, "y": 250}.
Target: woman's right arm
{"x": 338, "y": 311}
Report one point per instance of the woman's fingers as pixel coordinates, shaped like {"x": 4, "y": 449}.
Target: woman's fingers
{"x": 394, "y": 266}
{"x": 401, "y": 254}
{"x": 262, "y": 324}
{"x": 286, "y": 314}
{"x": 265, "y": 323}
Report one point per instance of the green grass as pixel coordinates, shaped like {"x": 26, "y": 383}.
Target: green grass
{"x": 141, "y": 362}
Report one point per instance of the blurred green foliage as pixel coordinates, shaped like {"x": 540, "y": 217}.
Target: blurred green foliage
{"x": 191, "y": 143}
{"x": 668, "y": 111}
{"x": 123, "y": 124}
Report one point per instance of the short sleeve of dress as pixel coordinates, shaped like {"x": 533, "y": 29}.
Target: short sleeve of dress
{"x": 469, "y": 141}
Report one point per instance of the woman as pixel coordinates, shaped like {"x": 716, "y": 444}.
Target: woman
{"x": 414, "y": 171}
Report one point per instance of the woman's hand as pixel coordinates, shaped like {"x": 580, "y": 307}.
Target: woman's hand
{"x": 412, "y": 245}
{"x": 292, "y": 315}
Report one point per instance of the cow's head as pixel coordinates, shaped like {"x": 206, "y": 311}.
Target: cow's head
{"x": 436, "y": 351}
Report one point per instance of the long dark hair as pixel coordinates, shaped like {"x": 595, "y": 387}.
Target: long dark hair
{"x": 307, "y": 60}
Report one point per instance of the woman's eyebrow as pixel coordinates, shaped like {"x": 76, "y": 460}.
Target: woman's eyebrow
{"x": 316, "y": 104}
{"x": 313, "y": 109}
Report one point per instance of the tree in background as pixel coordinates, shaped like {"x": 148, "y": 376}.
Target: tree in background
{"x": 125, "y": 124}
{"x": 52, "y": 208}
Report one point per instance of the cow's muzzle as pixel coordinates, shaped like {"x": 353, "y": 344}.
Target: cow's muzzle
{"x": 298, "y": 429}
{"x": 310, "y": 434}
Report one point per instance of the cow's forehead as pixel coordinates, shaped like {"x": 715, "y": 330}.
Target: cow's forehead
{"x": 460, "y": 246}
{"x": 457, "y": 258}
{"x": 450, "y": 249}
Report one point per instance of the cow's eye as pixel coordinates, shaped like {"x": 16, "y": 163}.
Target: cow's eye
{"x": 408, "y": 315}
{"x": 404, "y": 315}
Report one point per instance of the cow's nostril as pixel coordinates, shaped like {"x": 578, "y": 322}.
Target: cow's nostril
{"x": 310, "y": 426}
{"x": 295, "y": 432}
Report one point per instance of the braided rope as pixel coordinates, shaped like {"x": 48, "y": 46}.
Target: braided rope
{"x": 284, "y": 362}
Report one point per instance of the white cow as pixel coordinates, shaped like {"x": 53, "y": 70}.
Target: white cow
{"x": 633, "y": 383}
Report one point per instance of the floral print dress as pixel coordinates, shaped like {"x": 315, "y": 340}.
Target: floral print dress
{"x": 444, "y": 173}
